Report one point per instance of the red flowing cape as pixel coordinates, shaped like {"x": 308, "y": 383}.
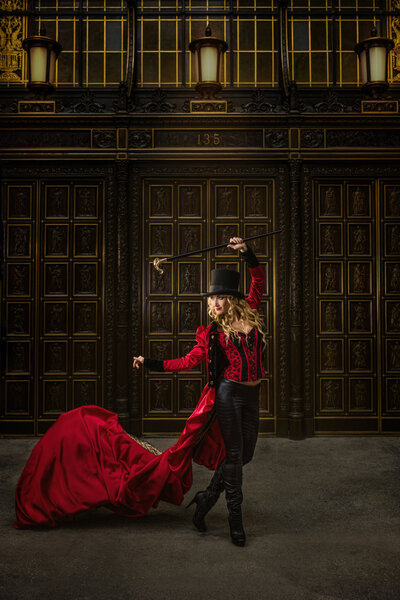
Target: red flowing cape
{"x": 87, "y": 460}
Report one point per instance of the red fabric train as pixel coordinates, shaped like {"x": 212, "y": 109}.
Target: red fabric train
{"x": 87, "y": 460}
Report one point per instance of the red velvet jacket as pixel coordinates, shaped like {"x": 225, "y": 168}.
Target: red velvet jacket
{"x": 207, "y": 346}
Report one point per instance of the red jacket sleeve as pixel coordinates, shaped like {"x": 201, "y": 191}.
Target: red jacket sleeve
{"x": 193, "y": 358}
{"x": 256, "y": 287}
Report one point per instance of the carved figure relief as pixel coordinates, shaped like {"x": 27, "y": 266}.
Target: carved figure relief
{"x": 330, "y": 239}
{"x": 330, "y": 358}
{"x": 330, "y": 201}
{"x": 84, "y": 357}
{"x": 394, "y": 355}
{"x": 331, "y": 394}
{"x": 189, "y": 395}
{"x": 161, "y": 201}
{"x": 359, "y": 278}
{"x": 189, "y": 201}
{"x": 358, "y": 205}
{"x": 186, "y": 347}
{"x": 260, "y": 245}
{"x": 189, "y": 278}
{"x": 55, "y": 396}
{"x": 394, "y": 239}
{"x": 190, "y": 238}
{"x": 160, "y": 317}
{"x": 18, "y": 241}
{"x": 56, "y": 279}
{"x": 359, "y": 396}
{"x": 19, "y": 206}
{"x": 17, "y": 397}
{"x": 18, "y": 280}
{"x": 84, "y": 393}
{"x": 86, "y": 202}
{"x": 56, "y": 202}
{"x": 330, "y": 278}
{"x": 394, "y": 317}
{"x": 85, "y": 240}
{"x": 394, "y": 395}
{"x": 359, "y": 317}
{"x": 393, "y": 202}
{"x": 85, "y": 279}
{"x": 18, "y": 357}
{"x": 331, "y": 317}
{"x": 359, "y": 355}
{"x": 189, "y": 316}
{"x": 85, "y": 318}
{"x": 18, "y": 319}
{"x": 56, "y": 318}
{"x": 159, "y": 395}
{"x": 226, "y": 205}
{"x": 161, "y": 240}
{"x": 359, "y": 240}
{"x": 256, "y": 202}
{"x": 161, "y": 282}
{"x": 224, "y": 233}
{"x": 160, "y": 350}
{"x": 56, "y": 240}
{"x": 394, "y": 278}
{"x": 55, "y": 357}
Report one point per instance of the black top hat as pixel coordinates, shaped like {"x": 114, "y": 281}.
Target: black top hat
{"x": 224, "y": 282}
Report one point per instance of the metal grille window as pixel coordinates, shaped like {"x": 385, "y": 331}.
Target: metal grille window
{"x": 321, "y": 35}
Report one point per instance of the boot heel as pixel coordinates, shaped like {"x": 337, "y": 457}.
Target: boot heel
{"x": 195, "y": 499}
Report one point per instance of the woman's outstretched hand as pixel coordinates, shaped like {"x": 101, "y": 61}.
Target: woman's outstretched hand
{"x": 237, "y": 243}
{"x": 138, "y": 362}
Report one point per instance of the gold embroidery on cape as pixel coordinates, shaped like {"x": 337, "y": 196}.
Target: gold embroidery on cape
{"x": 145, "y": 445}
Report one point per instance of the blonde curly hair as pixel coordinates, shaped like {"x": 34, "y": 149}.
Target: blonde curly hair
{"x": 240, "y": 309}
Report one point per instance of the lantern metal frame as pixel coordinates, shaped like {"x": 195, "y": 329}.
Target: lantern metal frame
{"x": 41, "y": 88}
{"x": 375, "y": 88}
{"x": 208, "y": 89}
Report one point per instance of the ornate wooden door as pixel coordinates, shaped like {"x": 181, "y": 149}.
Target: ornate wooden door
{"x": 181, "y": 215}
{"x": 357, "y": 311}
{"x": 52, "y": 311}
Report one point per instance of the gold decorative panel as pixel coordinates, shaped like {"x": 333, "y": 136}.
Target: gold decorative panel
{"x": 12, "y": 32}
{"x": 183, "y": 215}
{"x": 52, "y": 301}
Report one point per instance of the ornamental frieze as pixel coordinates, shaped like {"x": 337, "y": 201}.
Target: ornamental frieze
{"x": 209, "y": 139}
{"x": 45, "y": 139}
{"x": 359, "y": 138}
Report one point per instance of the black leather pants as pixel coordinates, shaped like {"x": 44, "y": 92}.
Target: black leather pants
{"x": 237, "y": 413}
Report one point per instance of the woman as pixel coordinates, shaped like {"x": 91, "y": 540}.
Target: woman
{"x": 233, "y": 345}
{"x": 87, "y": 460}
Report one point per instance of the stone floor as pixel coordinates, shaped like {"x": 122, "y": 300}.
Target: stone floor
{"x": 321, "y": 517}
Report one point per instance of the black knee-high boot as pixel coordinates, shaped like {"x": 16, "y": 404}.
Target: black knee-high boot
{"x": 232, "y": 475}
{"x": 206, "y": 499}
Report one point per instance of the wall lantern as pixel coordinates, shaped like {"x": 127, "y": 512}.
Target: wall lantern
{"x": 208, "y": 57}
{"x": 373, "y": 53}
{"x": 42, "y": 53}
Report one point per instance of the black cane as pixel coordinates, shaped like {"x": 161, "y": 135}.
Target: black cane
{"x": 157, "y": 261}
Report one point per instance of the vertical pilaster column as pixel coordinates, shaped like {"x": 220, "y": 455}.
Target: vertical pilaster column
{"x": 296, "y": 400}
{"x": 121, "y": 347}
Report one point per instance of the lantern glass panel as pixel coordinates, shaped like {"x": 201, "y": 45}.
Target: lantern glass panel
{"x": 363, "y": 66}
{"x": 38, "y": 61}
{"x": 377, "y": 63}
{"x": 209, "y": 63}
{"x": 52, "y": 73}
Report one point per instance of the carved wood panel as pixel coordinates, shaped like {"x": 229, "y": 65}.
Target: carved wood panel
{"x": 357, "y": 291}
{"x": 52, "y": 300}
{"x": 181, "y": 215}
